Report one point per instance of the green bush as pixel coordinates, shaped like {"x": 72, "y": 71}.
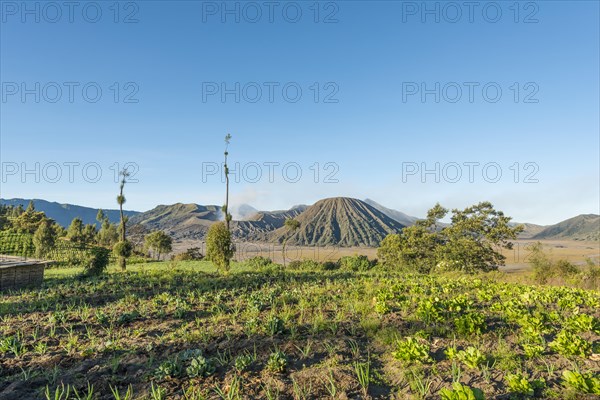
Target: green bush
{"x": 258, "y": 262}
{"x": 97, "y": 261}
{"x": 123, "y": 249}
{"x": 329, "y": 266}
{"x": 356, "y": 263}
{"x": 544, "y": 268}
{"x": 305, "y": 265}
{"x": 192, "y": 254}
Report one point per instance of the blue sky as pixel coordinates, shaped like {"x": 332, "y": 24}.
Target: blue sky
{"x": 365, "y": 131}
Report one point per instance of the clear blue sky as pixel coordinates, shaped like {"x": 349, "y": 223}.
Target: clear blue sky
{"x": 369, "y": 58}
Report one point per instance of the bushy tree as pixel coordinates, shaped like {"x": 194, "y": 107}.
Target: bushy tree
{"x": 108, "y": 234}
{"x": 89, "y": 234}
{"x": 5, "y": 213}
{"x": 473, "y": 237}
{"x": 415, "y": 247}
{"x": 123, "y": 249}
{"x": 75, "y": 231}
{"x": 470, "y": 243}
{"x": 44, "y": 238}
{"x": 159, "y": 242}
{"x": 29, "y": 220}
{"x": 219, "y": 246}
{"x": 80, "y": 233}
{"x": 97, "y": 261}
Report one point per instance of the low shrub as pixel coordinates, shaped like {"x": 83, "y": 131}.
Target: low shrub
{"x": 258, "y": 262}
{"x": 304, "y": 265}
{"x": 356, "y": 263}
{"x": 191, "y": 254}
{"x": 329, "y": 266}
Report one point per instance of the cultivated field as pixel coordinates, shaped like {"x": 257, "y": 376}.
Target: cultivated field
{"x": 181, "y": 331}
{"x": 516, "y": 260}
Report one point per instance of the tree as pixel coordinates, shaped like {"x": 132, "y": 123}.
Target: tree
{"x": 469, "y": 243}
{"x": 5, "y": 212}
{"x": 80, "y": 233}
{"x": 226, "y": 169}
{"x": 75, "y": 231}
{"x": 97, "y": 261}
{"x": 44, "y": 238}
{"x": 472, "y": 239}
{"x": 18, "y": 210}
{"x": 89, "y": 234}
{"x": 226, "y": 253}
{"x": 108, "y": 234}
{"x": 291, "y": 225}
{"x": 29, "y": 220}
{"x": 123, "y": 248}
{"x": 413, "y": 249}
{"x": 219, "y": 247}
{"x": 100, "y": 217}
{"x": 159, "y": 242}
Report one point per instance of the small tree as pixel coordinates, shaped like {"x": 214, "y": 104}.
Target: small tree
{"x": 159, "y": 242}
{"x": 123, "y": 248}
{"x": 5, "y": 212}
{"x": 97, "y": 261}
{"x": 226, "y": 253}
{"x": 75, "y": 231}
{"x": 108, "y": 234}
{"x": 219, "y": 247}
{"x": 100, "y": 216}
{"x": 44, "y": 238}
{"x": 291, "y": 225}
{"x": 27, "y": 221}
{"x": 80, "y": 233}
{"x": 226, "y": 170}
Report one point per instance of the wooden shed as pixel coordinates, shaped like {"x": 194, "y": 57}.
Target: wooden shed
{"x": 17, "y": 273}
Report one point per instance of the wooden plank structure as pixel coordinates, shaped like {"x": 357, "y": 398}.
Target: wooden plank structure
{"x": 19, "y": 272}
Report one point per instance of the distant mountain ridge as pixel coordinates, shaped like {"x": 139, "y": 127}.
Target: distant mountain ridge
{"x": 581, "y": 227}
{"x": 349, "y": 222}
{"x": 63, "y": 214}
{"x": 399, "y": 216}
{"x": 181, "y": 221}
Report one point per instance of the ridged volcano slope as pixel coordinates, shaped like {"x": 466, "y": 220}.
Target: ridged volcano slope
{"x": 340, "y": 221}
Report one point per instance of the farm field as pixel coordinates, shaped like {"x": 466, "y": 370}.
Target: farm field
{"x": 182, "y": 331}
